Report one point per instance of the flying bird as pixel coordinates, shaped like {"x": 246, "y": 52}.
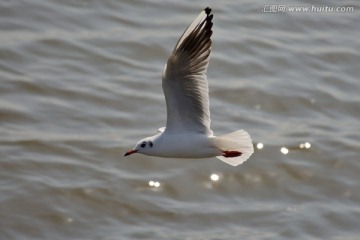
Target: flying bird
{"x": 187, "y": 133}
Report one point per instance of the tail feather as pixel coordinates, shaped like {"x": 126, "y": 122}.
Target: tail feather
{"x": 239, "y": 141}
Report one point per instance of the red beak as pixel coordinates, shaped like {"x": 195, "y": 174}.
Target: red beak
{"x": 130, "y": 152}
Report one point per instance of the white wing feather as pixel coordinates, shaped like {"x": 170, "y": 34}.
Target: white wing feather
{"x": 184, "y": 81}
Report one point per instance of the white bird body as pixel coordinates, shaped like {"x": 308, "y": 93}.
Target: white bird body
{"x": 187, "y": 133}
{"x": 182, "y": 145}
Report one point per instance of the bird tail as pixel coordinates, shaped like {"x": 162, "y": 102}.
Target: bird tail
{"x": 237, "y": 147}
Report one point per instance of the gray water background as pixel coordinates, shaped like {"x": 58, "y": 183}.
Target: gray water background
{"x": 80, "y": 85}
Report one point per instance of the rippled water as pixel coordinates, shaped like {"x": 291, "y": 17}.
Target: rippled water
{"x": 80, "y": 85}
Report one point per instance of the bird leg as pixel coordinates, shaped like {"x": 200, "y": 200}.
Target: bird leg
{"x": 229, "y": 154}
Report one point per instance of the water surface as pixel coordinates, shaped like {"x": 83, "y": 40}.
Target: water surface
{"x": 80, "y": 85}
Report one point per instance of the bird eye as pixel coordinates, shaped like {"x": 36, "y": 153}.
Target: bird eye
{"x": 143, "y": 145}
{"x": 151, "y": 144}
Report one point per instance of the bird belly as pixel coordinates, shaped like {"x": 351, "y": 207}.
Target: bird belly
{"x": 185, "y": 146}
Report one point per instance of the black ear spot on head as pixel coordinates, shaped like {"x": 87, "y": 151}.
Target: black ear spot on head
{"x": 143, "y": 144}
{"x": 151, "y": 144}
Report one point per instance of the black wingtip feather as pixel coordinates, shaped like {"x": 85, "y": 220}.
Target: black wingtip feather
{"x": 207, "y": 10}
{"x": 209, "y": 18}
{"x": 198, "y": 41}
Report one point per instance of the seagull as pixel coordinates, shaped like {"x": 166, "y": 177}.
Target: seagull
{"x": 187, "y": 133}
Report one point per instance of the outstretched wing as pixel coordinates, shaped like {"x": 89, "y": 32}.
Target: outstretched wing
{"x": 184, "y": 79}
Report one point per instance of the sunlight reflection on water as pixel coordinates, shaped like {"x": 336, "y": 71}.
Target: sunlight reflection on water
{"x": 260, "y": 146}
{"x": 284, "y": 150}
{"x": 154, "y": 184}
{"x": 214, "y": 177}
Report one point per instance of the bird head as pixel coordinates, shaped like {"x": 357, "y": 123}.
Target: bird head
{"x": 144, "y": 146}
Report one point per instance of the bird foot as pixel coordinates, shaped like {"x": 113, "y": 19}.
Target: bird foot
{"x": 229, "y": 154}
